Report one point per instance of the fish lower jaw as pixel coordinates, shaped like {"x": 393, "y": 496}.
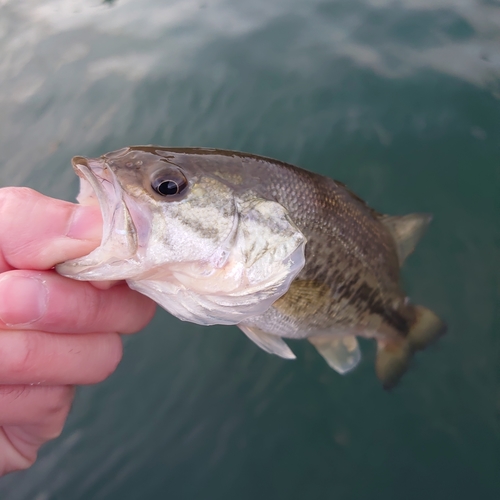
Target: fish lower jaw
{"x": 198, "y": 293}
{"x": 100, "y": 265}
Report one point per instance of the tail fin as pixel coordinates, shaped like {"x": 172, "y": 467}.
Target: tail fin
{"x": 393, "y": 357}
{"x": 426, "y": 328}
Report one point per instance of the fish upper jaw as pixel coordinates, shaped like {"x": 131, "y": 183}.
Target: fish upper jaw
{"x": 119, "y": 243}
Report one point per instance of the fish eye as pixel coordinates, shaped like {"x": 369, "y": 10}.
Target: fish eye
{"x": 169, "y": 184}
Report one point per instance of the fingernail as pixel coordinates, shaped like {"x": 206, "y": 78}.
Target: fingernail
{"x": 23, "y": 300}
{"x": 86, "y": 223}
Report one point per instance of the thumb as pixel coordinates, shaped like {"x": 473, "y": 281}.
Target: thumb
{"x": 38, "y": 232}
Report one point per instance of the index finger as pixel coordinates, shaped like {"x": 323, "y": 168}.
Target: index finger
{"x": 38, "y": 232}
{"x": 45, "y": 301}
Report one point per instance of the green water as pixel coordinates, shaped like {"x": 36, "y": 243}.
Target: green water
{"x": 398, "y": 99}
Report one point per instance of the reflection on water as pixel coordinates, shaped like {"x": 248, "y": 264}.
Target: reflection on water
{"x": 62, "y": 57}
{"x": 397, "y": 99}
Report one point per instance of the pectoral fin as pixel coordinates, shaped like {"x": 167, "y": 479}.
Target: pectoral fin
{"x": 341, "y": 353}
{"x": 270, "y": 343}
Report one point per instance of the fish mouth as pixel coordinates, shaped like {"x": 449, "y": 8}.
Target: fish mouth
{"x": 99, "y": 184}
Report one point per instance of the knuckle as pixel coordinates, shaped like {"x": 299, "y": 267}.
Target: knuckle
{"x": 10, "y": 195}
{"x": 21, "y": 360}
{"x": 11, "y": 198}
{"x": 147, "y": 309}
{"x": 57, "y": 407}
{"x": 13, "y": 201}
{"x": 58, "y": 422}
{"x": 11, "y": 393}
{"x": 56, "y": 426}
{"x": 17, "y": 453}
{"x": 91, "y": 304}
{"x": 89, "y": 309}
{"x": 113, "y": 358}
{"x": 60, "y": 401}
{"x": 140, "y": 311}
{"x": 17, "y": 462}
{"x": 23, "y": 463}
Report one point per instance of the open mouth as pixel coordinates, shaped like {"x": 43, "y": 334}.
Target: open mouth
{"x": 98, "y": 184}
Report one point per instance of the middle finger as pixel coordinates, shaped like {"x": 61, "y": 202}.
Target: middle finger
{"x": 38, "y": 358}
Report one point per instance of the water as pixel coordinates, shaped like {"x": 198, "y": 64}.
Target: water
{"x": 400, "y": 100}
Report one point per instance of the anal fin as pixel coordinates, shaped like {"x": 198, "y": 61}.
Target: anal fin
{"x": 270, "y": 343}
{"x": 341, "y": 353}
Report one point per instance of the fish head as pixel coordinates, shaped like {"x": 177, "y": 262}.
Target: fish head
{"x": 193, "y": 236}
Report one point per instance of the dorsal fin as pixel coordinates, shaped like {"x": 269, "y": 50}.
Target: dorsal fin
{"x": 353, "y": 195}
{"x": 406, "y": 231}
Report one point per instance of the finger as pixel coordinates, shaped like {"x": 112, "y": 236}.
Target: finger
{"x": 37, "y": 232}
{"x": 23, "y": 405}
{"x": 11, "y": 459}
{"x": 104, "y": 285}
{"x": 57, "y": 359}
{"x": 30, "y": 416}
{"x": 45, "y": 301}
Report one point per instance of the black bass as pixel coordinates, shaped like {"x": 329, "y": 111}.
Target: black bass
{"x": 221, "y": 237}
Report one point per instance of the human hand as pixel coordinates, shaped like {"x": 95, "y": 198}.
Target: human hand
{"x": 54, "y": 332}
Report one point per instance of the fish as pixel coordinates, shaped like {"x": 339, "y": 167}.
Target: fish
{"x": 230, "y": 238}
